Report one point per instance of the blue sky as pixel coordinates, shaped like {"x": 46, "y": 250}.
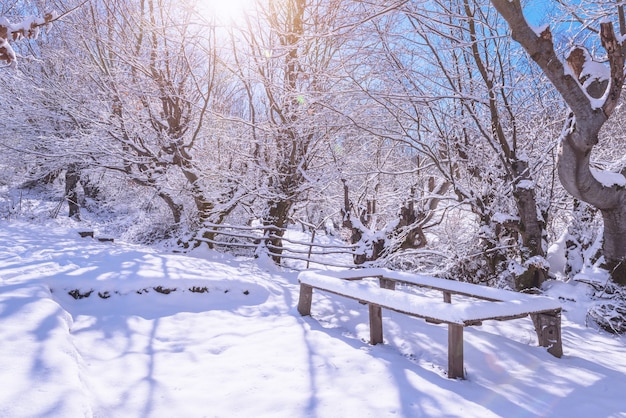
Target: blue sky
{"x": 536, "y": 10}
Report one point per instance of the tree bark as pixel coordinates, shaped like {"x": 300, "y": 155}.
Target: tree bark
{"x": 614, "y": 244}
{"x": 531, "y": 228}
{"x": 175, "y": 208}
{"x": 276, "y": 221}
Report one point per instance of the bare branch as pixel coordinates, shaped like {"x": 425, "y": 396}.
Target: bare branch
{"x": 541, "y": 49}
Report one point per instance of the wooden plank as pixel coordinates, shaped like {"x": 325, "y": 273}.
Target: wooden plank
{"x": 455, "y": 352}
{"x": 447, "y": 297}
{"x": 376, "y": 324}
{"x": 306, "y": 297}
{"x": 476, "y": 291}
{"x": 413, "y": 305}
{"x": 436, "y": 283}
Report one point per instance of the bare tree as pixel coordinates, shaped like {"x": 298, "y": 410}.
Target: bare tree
{"x": 155, "y": 63}
{"x": 286, "y": 78}
{"x": 49, "y": 125}
{"x": 592, "y": 91}
{"x": 445, "y": 89}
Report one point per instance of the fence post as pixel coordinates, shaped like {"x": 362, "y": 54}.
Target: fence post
{"x": 308, "y": 258}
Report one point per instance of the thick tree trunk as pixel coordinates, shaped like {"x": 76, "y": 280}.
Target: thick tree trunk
{"x": 576, "y": 177}
{"x": 276, "y": 221}
{"x": 407, "y": 233}
{"x": 614, "y": 244}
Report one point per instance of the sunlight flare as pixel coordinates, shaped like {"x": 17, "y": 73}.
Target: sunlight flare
{"x": 227, "y": 11}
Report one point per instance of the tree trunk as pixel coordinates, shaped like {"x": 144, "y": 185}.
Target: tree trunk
{"x": 576, "y": 177}
{"x": 276, "y": 221}
{"x": 175, "y": 208}
{"x": 531, "y": 228}
{"x": 72, "y": 177}
{"x": 614, "y": 244}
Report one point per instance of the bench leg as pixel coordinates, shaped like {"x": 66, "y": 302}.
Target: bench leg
{"x": 304, "y": 303}
{"x": 548, "y": 328}
{"x": 376, "y": 324}
{"x": 455, "y": 351}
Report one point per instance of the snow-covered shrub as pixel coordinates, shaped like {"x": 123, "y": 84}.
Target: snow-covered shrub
{"x": 610, "y": 316}
{"x": 610, "y": 312}
{"x": 582, "y": 234}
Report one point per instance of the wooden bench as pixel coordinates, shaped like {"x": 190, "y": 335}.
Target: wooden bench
{"x": 485, "y": 304}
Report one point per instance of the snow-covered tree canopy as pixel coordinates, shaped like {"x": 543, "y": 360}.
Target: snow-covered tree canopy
{"x": 28, "y": 28}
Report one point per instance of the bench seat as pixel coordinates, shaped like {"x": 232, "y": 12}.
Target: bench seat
{"x": 488, "y": 304}
{"x": 430, "y": 282}
{"x": 433, "y": 310}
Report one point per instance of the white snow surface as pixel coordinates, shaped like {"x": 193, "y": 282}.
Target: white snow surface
{"x": 608, "y": 178}
{"x": 242, "y": 349}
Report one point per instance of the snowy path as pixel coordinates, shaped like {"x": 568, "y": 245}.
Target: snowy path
{"x": 242, "y": 350}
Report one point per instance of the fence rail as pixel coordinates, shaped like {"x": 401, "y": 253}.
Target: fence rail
{"x": 258, "y": 240}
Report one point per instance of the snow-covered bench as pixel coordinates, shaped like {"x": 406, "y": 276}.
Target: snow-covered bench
{"x": 485, "y": 304}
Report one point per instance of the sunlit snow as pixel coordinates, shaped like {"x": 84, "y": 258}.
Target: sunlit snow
{"x": 608, "y": 178}
{"x": 227, "y": 341}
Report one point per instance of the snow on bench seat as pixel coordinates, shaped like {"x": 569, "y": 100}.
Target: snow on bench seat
{"x": 459, "y": 288}
{"x": 488, "y": 304}
{"x": 461, "y": 313}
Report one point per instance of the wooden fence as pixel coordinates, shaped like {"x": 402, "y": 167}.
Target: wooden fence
{"x": 257, "y": 241}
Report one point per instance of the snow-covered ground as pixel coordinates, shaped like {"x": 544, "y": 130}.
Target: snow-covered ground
{"x": 235, "y": 346}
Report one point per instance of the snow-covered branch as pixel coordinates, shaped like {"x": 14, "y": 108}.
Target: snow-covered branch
{"x": 28, "y": 28}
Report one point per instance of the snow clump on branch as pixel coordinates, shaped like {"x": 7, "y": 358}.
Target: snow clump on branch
{"x": 28, "y": 28}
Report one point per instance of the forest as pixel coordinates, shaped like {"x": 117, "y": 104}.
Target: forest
{"x": 464, "y": 138}
{"x": 312, "y": 208}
